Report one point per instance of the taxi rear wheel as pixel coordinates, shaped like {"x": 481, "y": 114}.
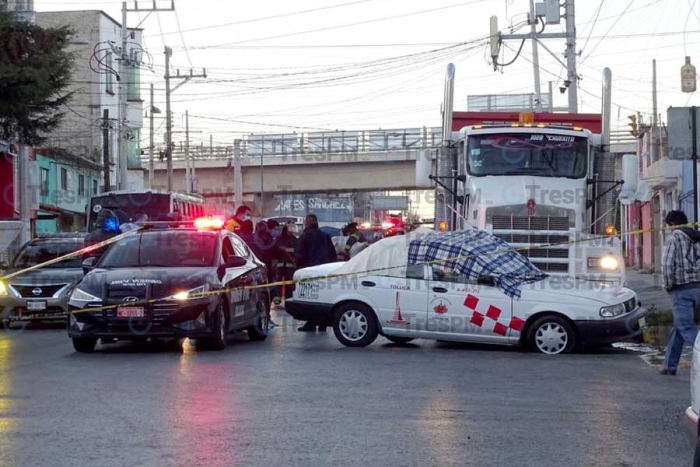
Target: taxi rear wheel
{"x": 84, "y": 344}
{"x": 551, "y": 335}
{"x": 355, "y": 325}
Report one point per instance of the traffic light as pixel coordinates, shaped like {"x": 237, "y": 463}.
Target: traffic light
{"x": 633, "y": 125}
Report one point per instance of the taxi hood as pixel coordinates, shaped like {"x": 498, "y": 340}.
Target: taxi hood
{"x": 566, "y": 288}
{"x": 47, "y": 276}
{"x": 318, "y": 271}
{"x": 162, "y": 282}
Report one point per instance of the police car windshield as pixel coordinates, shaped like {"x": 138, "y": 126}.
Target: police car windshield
{"x": 162, "y": 248}
{"x": 541, "y": 155}
{"x": 43, "y": 251}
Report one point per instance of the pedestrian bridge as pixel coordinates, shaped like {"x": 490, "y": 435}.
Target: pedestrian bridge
{"x": 304, "y": 163}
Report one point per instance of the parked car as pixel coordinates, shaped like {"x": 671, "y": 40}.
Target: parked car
{"x": 171, "y": 283}
{"x": 466, "y": 286}
{"x": 691, "y": 413}
{"x": 41, "y": 294}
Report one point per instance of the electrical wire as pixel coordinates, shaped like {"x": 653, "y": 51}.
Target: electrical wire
{"x": 184, "y": 46}
{"x": 595, "y": 20}
{"x": 341, "y": 26}
{"x": 608, "y": 31}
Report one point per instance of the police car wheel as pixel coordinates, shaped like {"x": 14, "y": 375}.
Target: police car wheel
{"x": 218, "y": 340}
{"x": 84, "y": 344}
{"x": 355, "y": 325}
{"x": 399, "y": 340}
{"x": 551, "y": 335}
{"x": 261, "y": 324}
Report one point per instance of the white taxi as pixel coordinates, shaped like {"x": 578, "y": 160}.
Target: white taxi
{"x": 465, "y": 286}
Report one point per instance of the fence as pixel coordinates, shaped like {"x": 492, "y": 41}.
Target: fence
{"x": 316, "y": 143}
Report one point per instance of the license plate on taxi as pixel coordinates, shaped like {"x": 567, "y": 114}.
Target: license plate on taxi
{"x": 130, "y": 312}
{"x": 36, "y": 305}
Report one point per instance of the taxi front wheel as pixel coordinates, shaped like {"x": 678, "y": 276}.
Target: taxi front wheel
{"x": 551, "y": 335}
{"x": 355, "y": 325}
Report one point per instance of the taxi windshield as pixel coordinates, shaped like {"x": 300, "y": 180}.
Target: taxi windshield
{"x": 162, "y": 249}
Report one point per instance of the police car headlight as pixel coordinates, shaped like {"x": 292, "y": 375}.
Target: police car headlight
{"x": 3, "y": 290}
{"x": 79, "y": 295}
{"x": 191, "y": 294}
{"x": 612, "y": 310}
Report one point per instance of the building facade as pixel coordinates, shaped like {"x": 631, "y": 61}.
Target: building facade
{"x": 65, "y": 184}
{"x": 95, "y": 92}
{"x": 665, "y": 181}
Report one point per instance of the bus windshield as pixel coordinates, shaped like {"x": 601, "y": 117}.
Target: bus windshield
{"x": 542, "y": 155}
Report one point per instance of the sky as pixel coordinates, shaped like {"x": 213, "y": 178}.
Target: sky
{"x": 323, "y": 65}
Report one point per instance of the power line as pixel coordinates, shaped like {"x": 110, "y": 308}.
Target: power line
{"x": 265, "y": 18}
{"x": 184, "y": 46}
{"x": 330, "y": 28}
{"x": 608, "y": 31}
{"x": 595, "y": 20}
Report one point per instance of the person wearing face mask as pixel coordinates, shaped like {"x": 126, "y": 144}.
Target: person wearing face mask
{"x": 243, "y": 213}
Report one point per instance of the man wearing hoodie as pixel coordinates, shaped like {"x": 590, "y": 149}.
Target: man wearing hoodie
{"x": 680, "y": 267}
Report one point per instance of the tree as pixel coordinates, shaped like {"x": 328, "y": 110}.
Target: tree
{"x": 35, "y": 69}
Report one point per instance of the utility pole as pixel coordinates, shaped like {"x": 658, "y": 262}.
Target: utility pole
{"x": 168, "y": 113}
{"x": 237, "y": 175}
{"x": 188, "y": 171}
{"x": 106, "y": 143}
{"x": 124, "y": 64}
{"x": 549, "y": 13}
{"x": 571, "y": 55}
{"x": 25, "y": 198}
{"x": 151, "y": 143}
{"x": 123, "y": 173}
{"x": 535, "y": 55}
{"x": 168, "y": 120}
{"x": 653, "y": 94}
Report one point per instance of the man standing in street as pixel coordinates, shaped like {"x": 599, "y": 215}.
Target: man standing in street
{"x": 243, "y": 213}
{"x": 314, "y": 247}
{"x": 681, "y": 272}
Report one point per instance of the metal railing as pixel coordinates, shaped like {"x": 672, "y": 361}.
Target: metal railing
{"x": 336, "y": 142}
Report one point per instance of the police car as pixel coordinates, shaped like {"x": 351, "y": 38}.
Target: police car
{"x": 194, "y": 281}
{"x": 466, "y": 286}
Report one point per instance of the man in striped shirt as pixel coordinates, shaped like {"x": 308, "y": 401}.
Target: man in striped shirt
{"x": 680, "y": 267}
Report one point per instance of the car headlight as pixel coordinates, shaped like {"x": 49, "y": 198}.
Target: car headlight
{"x": 3, "y": 290}
{"x": 612, "y": 310}
{"x": 188, "y": 294}
{"x": 606, "y": 263}
{"x": 79, "y": 295}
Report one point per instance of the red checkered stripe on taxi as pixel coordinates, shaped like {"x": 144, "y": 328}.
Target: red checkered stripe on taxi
{"x": 492, "y": 313}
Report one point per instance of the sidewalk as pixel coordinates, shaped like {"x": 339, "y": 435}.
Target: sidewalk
{"x": 650, "y": 291}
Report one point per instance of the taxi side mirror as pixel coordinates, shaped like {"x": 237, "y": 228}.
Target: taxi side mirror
{"x": 88, "y": 264}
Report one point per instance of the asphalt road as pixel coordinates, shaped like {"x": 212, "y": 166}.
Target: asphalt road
{"x": 304, "y": 400}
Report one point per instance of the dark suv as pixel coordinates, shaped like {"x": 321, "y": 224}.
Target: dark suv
{"x": 41, "y": 294}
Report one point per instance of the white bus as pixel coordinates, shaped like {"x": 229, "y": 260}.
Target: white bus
{"x": 153, "y": 203}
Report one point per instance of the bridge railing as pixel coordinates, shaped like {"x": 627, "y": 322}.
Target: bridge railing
{"x": 317, "y": 143}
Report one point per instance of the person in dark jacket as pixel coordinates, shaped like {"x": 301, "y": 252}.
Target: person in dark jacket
{"x": 264, "y": 246}
{"x": 285, "y": 261}
{"x": 680, "y": 267}
{"x": 314, "y": 247}
{"x": 106, "y": 227}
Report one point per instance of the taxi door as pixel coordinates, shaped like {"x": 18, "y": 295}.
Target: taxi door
{"x": 400, "y": 302}
{"x": 472, "y": 311}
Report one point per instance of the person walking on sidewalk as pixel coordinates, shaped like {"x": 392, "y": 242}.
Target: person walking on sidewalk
{"x": 680, "y": 267}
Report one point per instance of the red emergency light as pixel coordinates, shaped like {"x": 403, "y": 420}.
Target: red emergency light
{"x": 208, "y": 223}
